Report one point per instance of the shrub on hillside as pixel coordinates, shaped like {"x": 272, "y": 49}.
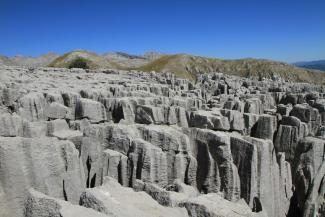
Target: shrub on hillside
{"x": 79, "y": 63}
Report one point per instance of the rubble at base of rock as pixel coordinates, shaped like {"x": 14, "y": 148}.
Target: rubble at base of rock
{"x": 129, "y": 143}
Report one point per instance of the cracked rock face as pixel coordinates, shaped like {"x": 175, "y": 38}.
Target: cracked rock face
{"x": 128, "y": 143}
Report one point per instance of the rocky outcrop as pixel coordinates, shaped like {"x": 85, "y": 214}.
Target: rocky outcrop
{"x": 92, "y": 110}
{"x": 46, "y": 164}
{"x": 125, "y": 143}
{"x": 309, "y": 157}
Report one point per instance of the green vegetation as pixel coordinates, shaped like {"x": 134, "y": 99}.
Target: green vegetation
{"x": 79, "y": 62}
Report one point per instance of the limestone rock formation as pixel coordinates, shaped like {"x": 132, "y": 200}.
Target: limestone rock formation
{"x": 129, "y": 143}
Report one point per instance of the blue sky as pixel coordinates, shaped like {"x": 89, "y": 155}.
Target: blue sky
{"x": 281, "y": 30}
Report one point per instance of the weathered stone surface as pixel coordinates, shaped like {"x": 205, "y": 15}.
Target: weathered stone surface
{"x": 284, "y": 109}
{"x": 11, "y": 125}
{"x": 40, "y": 205}
{"x": 266, "y": 126}
{"x": 235, "y": 119}
{"x": 215, "y": 169}
{"x": 215, "y": 206}
{"x": 114, "y": 200}
{"x": 315, "y": 200}
{"x": 33, "y": 107}
{"x": 290, "y": 131}
{"x": 149, "y": 115}
{"x": 254, "y": 106}
{"x": 172, "y": 195}
{"x": 115, "y": 165}
{"x": 58, "y": 111}
{"x": 47, "y": 164}
{"x": 92, "y": 110}
{"x": 309, "y": 156}
{"x": 208, "y": 120}
{"x": 35, "y": 129}
{"x": 148, "y": 163}
{"x": 255, "y": 160}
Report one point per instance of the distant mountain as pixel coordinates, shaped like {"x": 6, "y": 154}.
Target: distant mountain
{"x": 188, "y": 66}
{"x": 317, "y": 64}
{"x": 28, "y": 61}
{"x": 183, "y": 65}
{"x": 117, "y": 60}
{"x": 5, "y": 61}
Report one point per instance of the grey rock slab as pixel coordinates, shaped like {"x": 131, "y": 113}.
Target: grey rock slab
{"x": 40, "y": 205}
{"x": 214, "y": 205}
{"x": 113, "y": 199}
{"x": 90, "y": 109}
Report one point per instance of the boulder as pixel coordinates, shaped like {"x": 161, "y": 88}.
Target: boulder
{"x": 208, "y": 120}
{"x": 92, "y": 110}
{"x": 58, "y": 111}
{"x": 253, "y": 105}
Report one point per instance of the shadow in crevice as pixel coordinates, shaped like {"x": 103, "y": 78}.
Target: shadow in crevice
{"x": 93, "y": 181}
{"x": 294, "y": 210}
{"x": 64, "y": 192}
{"x": 88, "y": 164}
{"x": 257, "y": 206}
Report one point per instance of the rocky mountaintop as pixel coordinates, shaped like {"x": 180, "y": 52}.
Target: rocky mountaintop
{"x": 28, "y": 61}
{"x": 108, "y": 142}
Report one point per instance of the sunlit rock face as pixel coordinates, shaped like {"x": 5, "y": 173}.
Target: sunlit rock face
{"x": 127, "y": 143}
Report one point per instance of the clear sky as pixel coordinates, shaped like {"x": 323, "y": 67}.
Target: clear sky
{"x": 281, "y": 30}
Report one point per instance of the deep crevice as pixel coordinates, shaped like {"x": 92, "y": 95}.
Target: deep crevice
{"x": 64, "y": 192}
{"x": 119, "y": 173}
{"x": 88, "y": 163}
{"x": 118, "y": 114}
{"x": 294, "y": 209}
{"x": 257, "y": 206}
{"x": 202, "y": 167}
{"x": 93, "y": 181}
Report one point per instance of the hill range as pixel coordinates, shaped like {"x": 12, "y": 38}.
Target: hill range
{"x": 183, "y": 65}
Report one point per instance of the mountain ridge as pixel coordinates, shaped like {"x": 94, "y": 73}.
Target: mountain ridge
{"x": 183, "y": 65}
{"x": 315, "y": 64}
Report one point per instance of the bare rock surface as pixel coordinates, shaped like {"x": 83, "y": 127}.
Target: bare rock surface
{"x": 127, "y": 143}
{"x": 114, "y": 200}
{"x": 40, "y": 205}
